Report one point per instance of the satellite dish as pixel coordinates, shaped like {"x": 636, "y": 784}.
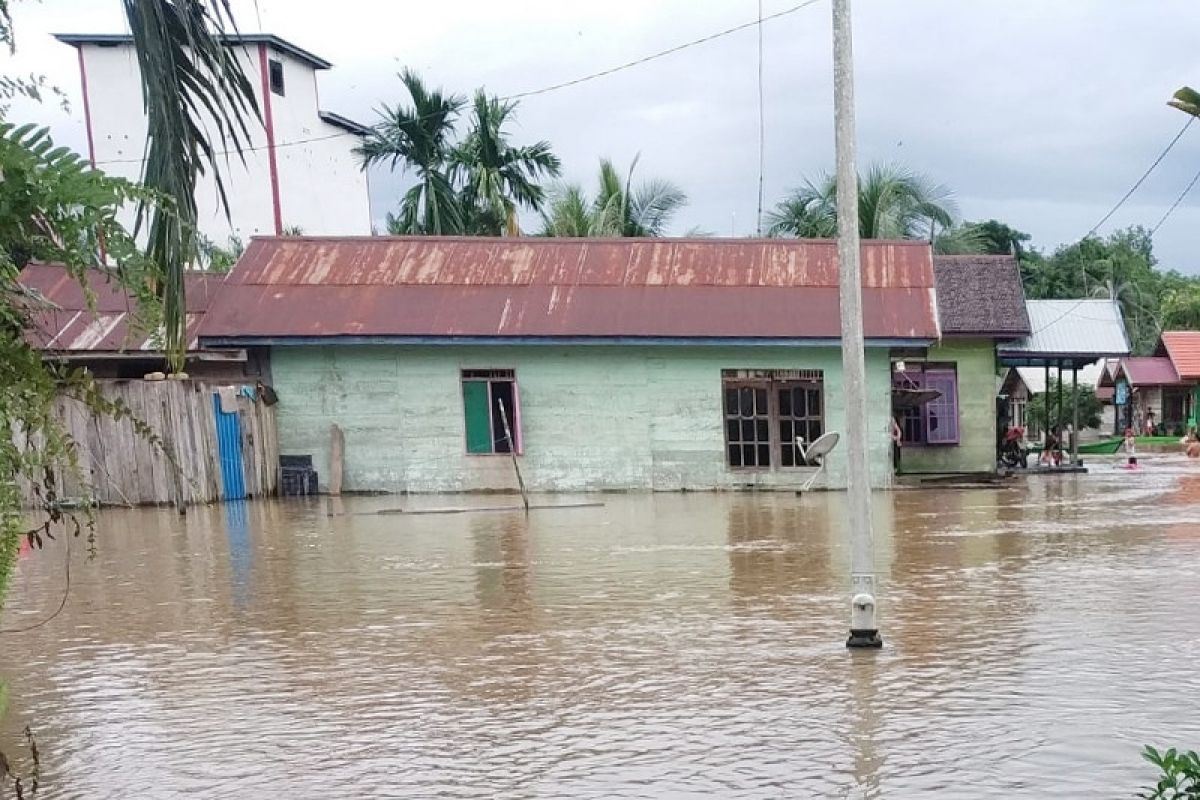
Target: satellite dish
{"x": 822, "y": 446}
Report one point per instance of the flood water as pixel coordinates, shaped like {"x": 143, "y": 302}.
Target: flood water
{"x": 658, "y": 646}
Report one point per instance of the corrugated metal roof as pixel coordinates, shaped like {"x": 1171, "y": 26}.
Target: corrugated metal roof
{"x": 1183, "y": 348}
{"x": 1035, "y": 377}
{"x": 1148, "y": 371}
{"x": 491, "y": 287}
{"x": 67, "y": 324}
{"x": 1072, "y": 329}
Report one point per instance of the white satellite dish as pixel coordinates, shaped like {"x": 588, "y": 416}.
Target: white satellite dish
{"x": 815, "y": 453}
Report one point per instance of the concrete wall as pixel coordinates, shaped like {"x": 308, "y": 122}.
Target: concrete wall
{"x": 592, "y": 417}
{"x": 321, "y": 188}
{"x": 976, "y": 450}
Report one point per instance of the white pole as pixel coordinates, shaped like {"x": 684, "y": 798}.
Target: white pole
{"x": 864, "y": 631}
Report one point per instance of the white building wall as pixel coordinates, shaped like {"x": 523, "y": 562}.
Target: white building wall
{"x": 321, "y": 188}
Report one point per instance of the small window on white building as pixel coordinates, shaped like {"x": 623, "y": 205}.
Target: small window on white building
{"x": 275, "y": 68}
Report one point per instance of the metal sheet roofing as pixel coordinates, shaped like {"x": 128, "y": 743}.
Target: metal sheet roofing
{"x": 1082, "y": 330}
{"x": 65, "y": 323}
{"x": 1148, "y": 371}
{"x": 1183, "y": 348}
{"x": 534, "y": 287}
{"x": 980, "y": 296}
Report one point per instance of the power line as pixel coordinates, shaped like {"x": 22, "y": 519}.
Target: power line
{"x": 1170, "y": 145}
{"x": 1142, "y": 179}
{"x": 552, "y": 88}
{"x": 1187, "y": 189}
{"x": 664, "y": 53}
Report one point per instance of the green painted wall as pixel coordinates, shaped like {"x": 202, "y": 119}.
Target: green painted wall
{"x": 592, "y": 417}
{"x": 976, "y": 450}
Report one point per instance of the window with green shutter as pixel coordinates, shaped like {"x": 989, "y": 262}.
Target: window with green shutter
{"x": 490, "y": 411}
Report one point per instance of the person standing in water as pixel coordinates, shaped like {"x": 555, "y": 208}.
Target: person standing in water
{"x": 1191, "y": 443}
{"x": 1130, "y": 449}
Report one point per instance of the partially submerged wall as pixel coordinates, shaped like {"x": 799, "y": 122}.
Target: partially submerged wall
{"x": 592, "y": 417}
{"x": 975, "y": 364}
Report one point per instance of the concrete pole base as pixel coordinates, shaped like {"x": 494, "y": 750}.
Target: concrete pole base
{"x": 864, "y": 639}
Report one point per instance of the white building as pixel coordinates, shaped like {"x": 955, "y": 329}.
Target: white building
{"x": 300, "y": 171}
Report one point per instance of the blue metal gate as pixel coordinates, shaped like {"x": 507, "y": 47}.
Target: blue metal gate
{"x": 229, "y": 447}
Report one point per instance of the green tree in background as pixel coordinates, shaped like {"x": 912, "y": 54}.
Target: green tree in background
{"x": 619, "y": 208}
{"x": 498, "y": 177}
{"x": 418, "y": 137}
{"x": 1042, "y": 409}
{"x": 999, "y": 239}
{"x": 893, "y": 203}
{"x": 1180, "y": 308}
{"x": 1186, "y": 100}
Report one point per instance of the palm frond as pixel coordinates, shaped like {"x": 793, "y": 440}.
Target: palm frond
{"x": 192, "y": 83}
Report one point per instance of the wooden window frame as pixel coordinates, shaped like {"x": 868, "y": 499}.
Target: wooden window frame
{"x": 488, "y": 376}
{"x": 772, "y": 381}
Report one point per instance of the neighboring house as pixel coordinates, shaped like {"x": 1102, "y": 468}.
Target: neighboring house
{"x": 1068, "y": 337}
{"x": 617, "y": 363}
{"x": 1183, "y": 348}
{"x": 1015, "y": 392}
{"x": 1151, "y": 385}
{"x": 107, "y": 337}
{"x": 1106, "y": 393}
{"x": 299, "y": 168}
{"x": 980, "y": 303}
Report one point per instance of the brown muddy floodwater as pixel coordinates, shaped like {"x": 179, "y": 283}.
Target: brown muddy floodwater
{"x": 658, "y": 646}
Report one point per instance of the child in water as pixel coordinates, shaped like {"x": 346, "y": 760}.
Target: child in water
{"x": 1130, "y": 449}
{"x": 1191, "y": 444}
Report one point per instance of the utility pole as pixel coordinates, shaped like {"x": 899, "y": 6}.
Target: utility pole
{"x": 864, "y": 631}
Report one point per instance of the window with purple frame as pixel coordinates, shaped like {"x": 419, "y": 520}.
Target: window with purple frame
{"x": 935, "y": 422}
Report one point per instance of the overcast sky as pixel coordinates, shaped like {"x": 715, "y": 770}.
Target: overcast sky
{"x": 1040, "y": 114}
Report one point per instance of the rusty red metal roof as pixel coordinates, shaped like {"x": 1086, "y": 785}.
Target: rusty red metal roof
{"x": 542, "y": 287}
{"x": 1183, "y": 348}
{"x": 65, "y": 324}
{"x": 1148, "y": 371}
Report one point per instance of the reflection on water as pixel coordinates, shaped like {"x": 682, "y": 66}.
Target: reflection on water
{"x": 662, "y": 645}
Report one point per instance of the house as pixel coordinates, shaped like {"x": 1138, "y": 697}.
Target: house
{"x": 981, "y": 303}
{"x": 660, "y": 364}
{"x": 107, "y": 337}
{"x": 1068, "y": 336}
{"x": 297, "y": 147}
{"x": 1149, "y": 387}
{"x": 215, "y": 433}
{"x": 1183, "y": 348}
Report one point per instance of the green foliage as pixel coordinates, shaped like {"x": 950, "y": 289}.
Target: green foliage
{"x": 217, "y": 258}
{"x": 1180, "y": 307}
{"x": 197, "y": 101}
{"x": 999, "y": 239}
{"x": 1179, "y": 775}
{"x": 618, "y": 209}
{"x": 475, "y": 186}
{"x": 1122, "y": 267}
{"x": 893, "y": 203}
{"x": 1042, "y": 410}
{"x": 1186, "y": 100}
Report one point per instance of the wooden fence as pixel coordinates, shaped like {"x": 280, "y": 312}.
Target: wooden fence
{"x": 119, "y": 466}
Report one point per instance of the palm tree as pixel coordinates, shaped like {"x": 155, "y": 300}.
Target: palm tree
{"x": 618, "y": 209}
{"x": 418, "y": 137}
{"x": 1186, "y": 100}
{"x": 198, "y": 103}
{"x": 893, "y": 203}
{"x": 497, "y": 177}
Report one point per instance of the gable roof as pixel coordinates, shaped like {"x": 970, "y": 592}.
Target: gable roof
{"x": 980, "y": 295}
{"x": 283, "y": 45}
{"x": 363, "y": 288}
{"x": 1148, "y": 371}
{"x": 1077, "y": 331}
{"x": 65, "y": 324}
{"x": 1183, "y": 348}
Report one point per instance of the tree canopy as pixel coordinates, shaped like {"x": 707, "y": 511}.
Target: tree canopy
{"x": 619, "y": 208}
{"x": 472, "y": 185}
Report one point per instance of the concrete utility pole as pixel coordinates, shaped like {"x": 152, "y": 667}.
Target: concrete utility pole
{"x": 864, "y": 631}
